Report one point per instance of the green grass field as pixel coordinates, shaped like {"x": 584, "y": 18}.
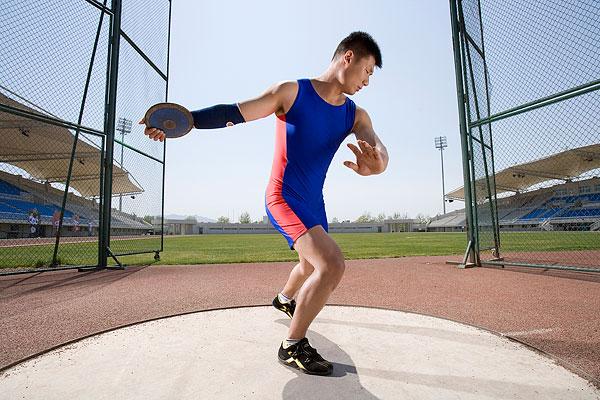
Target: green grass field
{"x": 211, "y": 249}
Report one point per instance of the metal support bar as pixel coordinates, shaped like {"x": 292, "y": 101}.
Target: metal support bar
{"x": 114, "y": 257}
{"x": 102, "y": 8}
{"x": 464, "y": 263}
{"x": 39, "y": 270}
{"x": 109, "y": 128}
{"x": 96, "y": 268}
{"x": 540, "y": 266}
{"x": 45, "y": 157}
{"x": 545, "y": 101}
{"x": 48, "y": 120}
{"x": 143, "y": 55}
{"x": 475, "y": 46}
{"x": 162, "y": 206}
{"x": 134, "y": 253}
{"x": 460, "y": 95}
{"x": 138, "y": 151}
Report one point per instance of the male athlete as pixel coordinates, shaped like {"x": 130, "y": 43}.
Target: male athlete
{"x": 313, "y": 117}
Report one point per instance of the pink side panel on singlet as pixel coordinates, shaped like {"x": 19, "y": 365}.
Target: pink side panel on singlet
{"x": 278, "y": 207}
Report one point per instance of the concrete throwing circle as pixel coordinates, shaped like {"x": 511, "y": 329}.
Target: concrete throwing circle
{"x": 232, "y": 354}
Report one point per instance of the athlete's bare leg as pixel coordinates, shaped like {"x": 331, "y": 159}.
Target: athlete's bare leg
{"x": 298, "y": 276}
{"x": 321, "y": 251}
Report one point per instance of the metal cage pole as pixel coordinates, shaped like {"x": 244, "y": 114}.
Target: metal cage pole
{"x": 109, "y": 129}
{"x": 162, "y": 205}
{"x": 460, "y": 94}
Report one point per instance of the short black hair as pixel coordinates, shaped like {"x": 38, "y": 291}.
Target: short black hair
{"x": 362, "y": 44}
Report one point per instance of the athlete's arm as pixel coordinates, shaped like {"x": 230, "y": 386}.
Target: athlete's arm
{"x": 276, "y": 99}
{"x": 371, "y": 155}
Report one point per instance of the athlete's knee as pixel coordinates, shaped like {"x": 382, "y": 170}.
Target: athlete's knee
{"x": 306, "y": 268}
{"x": 335, "y": 266}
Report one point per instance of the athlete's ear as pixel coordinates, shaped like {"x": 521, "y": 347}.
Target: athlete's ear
{"x": 348, "y": 56}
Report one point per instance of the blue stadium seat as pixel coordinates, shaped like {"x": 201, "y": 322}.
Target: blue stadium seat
{"x": 7, "y": 188}
{"x": 44, "y": 210}
{"x": 551, "y": 212}
{"x": 585, "y": 212}
{"x": 535, "y": 213}
{"x": 6, "y": 208}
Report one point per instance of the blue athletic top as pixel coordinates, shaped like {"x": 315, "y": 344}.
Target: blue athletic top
{"x": 307, "y": 137}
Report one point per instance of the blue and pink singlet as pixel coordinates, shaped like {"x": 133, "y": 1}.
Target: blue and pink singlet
{"x": 306, "y": 139}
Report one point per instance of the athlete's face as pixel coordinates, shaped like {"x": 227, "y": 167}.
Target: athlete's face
{"x": 356, "y": 72}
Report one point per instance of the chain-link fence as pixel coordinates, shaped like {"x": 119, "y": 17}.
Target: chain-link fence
{"x": 142, "y": 81}
{"x": 67, "y": 126}
{"x": 528, "y": 73}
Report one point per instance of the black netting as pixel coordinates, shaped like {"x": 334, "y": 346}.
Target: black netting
{"x": 146, "y": 23}
{"x": 537, "y": 48}
{"x": 540, "y": 63}
{"x": 53, "y": 112}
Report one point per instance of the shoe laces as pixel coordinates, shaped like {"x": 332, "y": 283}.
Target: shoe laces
{"x": 311, "y": 352}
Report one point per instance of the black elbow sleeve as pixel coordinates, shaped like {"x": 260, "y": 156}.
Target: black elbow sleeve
{"x": 218, "y": 116}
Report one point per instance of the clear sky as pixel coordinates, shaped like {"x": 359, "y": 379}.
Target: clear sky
{"x": 232, "y": 50}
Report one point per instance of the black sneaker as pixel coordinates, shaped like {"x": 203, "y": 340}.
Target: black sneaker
{"x": 287, "y": 308}
{"x": 303, "y": 357}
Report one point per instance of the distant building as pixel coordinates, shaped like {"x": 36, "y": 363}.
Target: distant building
{"x": 191, "y": 227}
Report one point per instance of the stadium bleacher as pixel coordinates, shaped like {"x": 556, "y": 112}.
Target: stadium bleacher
{"x": 572, "y": 205}
{"x": 25, "y": 207}
{"x": 7, "y": 188}
{"x": 19, "y": 198}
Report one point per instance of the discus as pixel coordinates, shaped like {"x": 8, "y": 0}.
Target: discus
{"x": 174, "y": 120}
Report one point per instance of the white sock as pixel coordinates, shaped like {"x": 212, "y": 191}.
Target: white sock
{"x": 290, "y": 342}
{"x": 283, "y": 298}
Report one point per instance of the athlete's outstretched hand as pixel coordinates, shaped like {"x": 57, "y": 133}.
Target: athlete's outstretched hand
{"x": 369, "y": 160}
{"x": 153, "y": 133}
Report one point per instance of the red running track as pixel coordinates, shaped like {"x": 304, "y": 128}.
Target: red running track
{"x": 556, "y": 312}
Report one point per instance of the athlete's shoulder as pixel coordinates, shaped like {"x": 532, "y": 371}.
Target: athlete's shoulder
{"x": 285, "y": 92}
{"x": 286, "y": 87}
{"x": 361, "y": 117}
{"x": 361, "y": 113}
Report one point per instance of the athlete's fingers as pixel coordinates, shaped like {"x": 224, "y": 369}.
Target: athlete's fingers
{"x": 355, "y": 150}
{"x": 153, "y": 133}
{"x": 376, "y": 153}
{"x": 141, "y": 121}
{"x": 375, "y": 164}
{"x": 366, "y": 148}
{"x": 363, "y": 146}
{"x": 158, "y": 136}
{"x": 351, "y": 165}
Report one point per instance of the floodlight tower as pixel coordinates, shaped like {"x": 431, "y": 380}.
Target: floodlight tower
{"x": 441, "y": 144}
{"x": 123, "y": 127}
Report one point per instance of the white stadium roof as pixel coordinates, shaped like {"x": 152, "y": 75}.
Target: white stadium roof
{"x": 566, "y": 165}
{"x": 44, "y": 152}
